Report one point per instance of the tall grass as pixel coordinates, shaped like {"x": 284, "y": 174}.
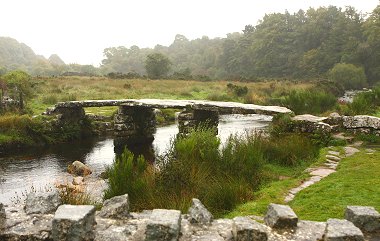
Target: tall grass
{"x": 197, "y": 166}
{"x": 309, "y": 101}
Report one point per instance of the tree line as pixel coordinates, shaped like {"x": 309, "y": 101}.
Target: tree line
{"x": 306, "y": 44}
{"x": 318, "y": 43}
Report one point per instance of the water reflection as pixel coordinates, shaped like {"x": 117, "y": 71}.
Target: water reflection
{"x": 42, "y": 168}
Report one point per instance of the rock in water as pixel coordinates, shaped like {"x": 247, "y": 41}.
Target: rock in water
{"x": 198, "y": 213}
{"x": 116, "y": 207}
{"x": 77, "y": 180}
{"x": 42, "y": 203}
{"x": 79, "y": 169}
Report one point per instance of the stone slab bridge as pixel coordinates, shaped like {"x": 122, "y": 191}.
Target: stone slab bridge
{"x": 135, "y": 120}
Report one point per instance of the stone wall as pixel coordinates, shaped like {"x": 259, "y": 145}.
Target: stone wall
{"x": 115, "y": 222}
{"x": 360, "y": 124}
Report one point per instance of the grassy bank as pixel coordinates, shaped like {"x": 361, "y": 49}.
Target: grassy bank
{"x": 49, "y": 91}
{"x": 23, "y": 131}
{"x": 356, "y": 182}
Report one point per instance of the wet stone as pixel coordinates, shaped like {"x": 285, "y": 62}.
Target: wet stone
{"x": 74, "y": 223}
{"x": 164, "y": 225}
{"x": 198, "y": 213}
{"x": 365, "y": 218}
{"x": 342, "y": 230}
{"x": 116, "y": 207}
{"x": 280, "y": 216}
{"x": 245, "y": 229}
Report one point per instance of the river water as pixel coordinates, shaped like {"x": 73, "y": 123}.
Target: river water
{"x": 41, "y": 169}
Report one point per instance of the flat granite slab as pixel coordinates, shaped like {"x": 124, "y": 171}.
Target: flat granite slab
{"x": 225, "y": 107}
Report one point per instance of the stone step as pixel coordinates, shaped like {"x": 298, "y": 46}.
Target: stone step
{"x": 334, "y": 158}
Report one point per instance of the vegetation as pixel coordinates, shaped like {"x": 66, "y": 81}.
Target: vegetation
{"x": 24, "y": 131}
{"x": 197, "y": 167}
{"x": 349, "y": 75}
{"x": 355, "y": 183}
{"x": 364, "y": 103}
{"x": 157, "y": 65}
{"x": 309, "y": 101}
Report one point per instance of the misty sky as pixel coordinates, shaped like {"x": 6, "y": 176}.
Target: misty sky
{"x": 79, "y": 30}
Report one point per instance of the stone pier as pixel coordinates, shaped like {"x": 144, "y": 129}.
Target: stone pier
{"x": 194, "y": 118}
{"x": 134, "y": 125}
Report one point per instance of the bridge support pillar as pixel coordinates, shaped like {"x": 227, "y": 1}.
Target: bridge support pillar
{"x": 194, "y": 118}
{"x": 71, "y": 114}
{"x": 134, "y": 125}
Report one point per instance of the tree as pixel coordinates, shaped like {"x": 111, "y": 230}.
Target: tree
{"x": 19, "y": 86}
{"x": 349, "y": 75}
{"x": 157, "y": 65}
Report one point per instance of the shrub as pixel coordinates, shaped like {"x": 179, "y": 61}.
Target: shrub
{"x": 349, "y": 75}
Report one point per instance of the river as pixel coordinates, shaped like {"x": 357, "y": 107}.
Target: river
{"x": 41, "y": 169}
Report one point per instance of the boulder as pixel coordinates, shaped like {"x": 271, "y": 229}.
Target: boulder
{"x": 42, "y": 203}
{"x": 245, "y": 228}
{"x": 116, "y": 207}
{"x": 280, "y": 216}
{"x": 2, "y": 216}
{"x": 77, "y": 168}
{"x": 365, "y": 218}
{"x": 163, "y": 225}
{"x": 339, "y": 230}
{"x": 198, "y": 213}
{"x": 74, "y": 223}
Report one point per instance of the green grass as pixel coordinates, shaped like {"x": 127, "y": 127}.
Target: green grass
{"x": 356, "y": 182}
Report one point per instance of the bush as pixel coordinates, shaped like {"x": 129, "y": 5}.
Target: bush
{"x": 309, "y": 101}
{"x": 349, "y": 75}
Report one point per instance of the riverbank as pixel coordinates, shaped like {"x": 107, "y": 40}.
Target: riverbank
{"x": 355, "y": 182}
